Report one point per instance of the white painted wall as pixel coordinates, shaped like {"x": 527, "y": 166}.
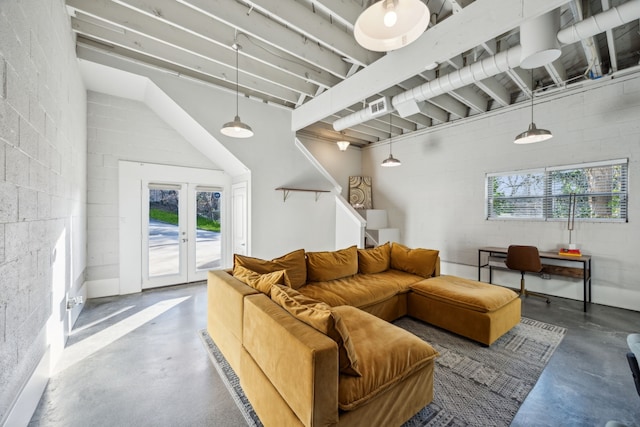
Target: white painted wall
{"x": 122, "y": 129}
{"x": 341, "y": 165}
{"x": 42, "y": 197}
{"x": 276, "y": 226}
{"x": 437, "y": 196}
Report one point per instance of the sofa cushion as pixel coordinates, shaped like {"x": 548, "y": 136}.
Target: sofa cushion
{"x": 465, "y": 293}
{"x": 361, "y": 290}
{"x": 293, "y": 264}
{"x": 321, "y": 317}
{"x": 403, "y": 354}
{"x": 261, "y": 282}
{"x": 322, "y": 266}
{"x": 417, "y": 261}
{"x": 374, "y": 260}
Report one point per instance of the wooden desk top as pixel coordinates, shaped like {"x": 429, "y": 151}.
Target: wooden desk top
{"x": 543, "y": 254}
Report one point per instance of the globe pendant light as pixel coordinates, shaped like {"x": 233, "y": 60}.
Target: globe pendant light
{"x": 237, "y": 129}
{"x": 390, "y": 161}
{"x": 533, "y": 134}
{"x": 391, "y": 24}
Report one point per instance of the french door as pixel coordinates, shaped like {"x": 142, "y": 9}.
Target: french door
{"x": 181, "y": 232}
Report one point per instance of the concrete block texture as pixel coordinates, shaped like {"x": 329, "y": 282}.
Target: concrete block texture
{"x": 42, "y": 180}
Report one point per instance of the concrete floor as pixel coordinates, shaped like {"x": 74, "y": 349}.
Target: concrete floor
{"x": 137, "y": 360}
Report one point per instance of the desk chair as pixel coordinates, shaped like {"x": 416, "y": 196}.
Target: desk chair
{"x": 525, "y": 259}
{"x": 633, "y": 340}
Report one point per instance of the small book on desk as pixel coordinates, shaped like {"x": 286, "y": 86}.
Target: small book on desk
{"x": 569, "y": 252}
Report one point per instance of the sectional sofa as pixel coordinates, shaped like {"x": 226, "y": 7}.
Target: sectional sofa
{"x": 310, "y": 337}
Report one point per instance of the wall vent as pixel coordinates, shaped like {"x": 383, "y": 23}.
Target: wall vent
{"x": 379, "y": 107}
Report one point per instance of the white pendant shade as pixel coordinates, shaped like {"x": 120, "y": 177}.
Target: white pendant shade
{"x": 343, "y": 145}
{"x": 237, "y": 129}
{"x": 391, "y": 24}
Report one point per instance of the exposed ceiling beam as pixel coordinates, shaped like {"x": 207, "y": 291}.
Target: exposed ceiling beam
{"x": 471, "y": 98}
{"x": 315, "y": 27}
{"x": 159, "y": 50}
{"x": 484, "y": 20}
{"x": 557, "y": 72}
{"x": 589, "y": 46}
{"x": 613, "y": 56}
{"x": 235, "y": 14}
{"x": 495, "y": 90}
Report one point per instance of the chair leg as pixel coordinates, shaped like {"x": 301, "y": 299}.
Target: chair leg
{"x": 526, "y": 293}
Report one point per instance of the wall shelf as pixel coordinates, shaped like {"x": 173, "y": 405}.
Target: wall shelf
{"x": 286, "y": 190}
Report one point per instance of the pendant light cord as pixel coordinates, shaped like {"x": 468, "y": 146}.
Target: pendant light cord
{"x": 390, "y": 134}
{"x": 237, "y": 46}
{"x": 532, "y": 93}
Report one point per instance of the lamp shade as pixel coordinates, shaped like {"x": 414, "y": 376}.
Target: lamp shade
{"x": 391, "y": 24}
{"x": 533, "y": 134}
{"x": 390, "y": 162}
{"x": 237, "y": 129}
{"x": 343, "y": 145}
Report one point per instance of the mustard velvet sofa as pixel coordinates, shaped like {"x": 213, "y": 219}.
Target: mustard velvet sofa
{"x": 269, "y": 319}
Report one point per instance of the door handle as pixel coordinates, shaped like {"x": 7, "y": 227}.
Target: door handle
{"x": 184, "y": 240}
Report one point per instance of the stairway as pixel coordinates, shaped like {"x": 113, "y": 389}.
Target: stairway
{"x": 377, "y": 231}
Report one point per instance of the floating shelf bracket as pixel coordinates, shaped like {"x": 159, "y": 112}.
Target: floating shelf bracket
{"x": 287, "y": 190}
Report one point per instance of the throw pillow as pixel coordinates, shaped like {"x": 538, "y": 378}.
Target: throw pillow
{"x": 324, "y": 266}
{"x": 319, "y": 316}
{"x": 293, "y": 264}
{"x": 374, "y": 260}
{"x": 415, "y": 261}
{"x": 261, "y": 282}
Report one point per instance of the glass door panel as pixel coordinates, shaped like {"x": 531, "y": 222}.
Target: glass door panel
{"x": 164, "y": 232}
{"x": 207, "y": 223}
{"x": 164, "y": 235}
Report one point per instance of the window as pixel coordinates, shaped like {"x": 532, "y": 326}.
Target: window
{"x": 594, "y": 191}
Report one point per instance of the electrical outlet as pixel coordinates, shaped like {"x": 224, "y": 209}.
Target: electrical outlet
{"x": 72, "y": 302}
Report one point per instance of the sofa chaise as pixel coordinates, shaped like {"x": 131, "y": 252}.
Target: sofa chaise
{"x": 310, "y": 337}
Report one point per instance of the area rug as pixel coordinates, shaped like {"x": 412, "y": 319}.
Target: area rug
{"x": 473, "y": 385}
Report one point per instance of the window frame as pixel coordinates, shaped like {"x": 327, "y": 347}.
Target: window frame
{"x": 549, "y": 200}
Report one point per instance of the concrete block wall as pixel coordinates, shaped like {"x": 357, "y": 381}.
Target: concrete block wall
{"x": 123, "y": 129}
{"x": 437, "y": 196}
{"x": 42, "y": 187}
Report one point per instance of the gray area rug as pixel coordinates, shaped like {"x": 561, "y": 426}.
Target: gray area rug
{"x": 473, "y": 385}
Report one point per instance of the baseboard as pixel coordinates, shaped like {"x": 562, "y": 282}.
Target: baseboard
{"x": 102, "y": 288}
{"x": 27, "y": 401}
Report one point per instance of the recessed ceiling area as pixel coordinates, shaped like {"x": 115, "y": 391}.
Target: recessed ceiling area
{"x": 295, "y": 53}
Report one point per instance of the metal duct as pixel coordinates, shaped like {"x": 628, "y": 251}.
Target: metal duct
{"x": 475, "y": 72}
{"x": 601, "y": 22}
{"x": 501, "y": 62}
{"x": 538, "y": 40}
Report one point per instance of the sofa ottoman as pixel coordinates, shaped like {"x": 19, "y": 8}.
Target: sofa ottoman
{"x": 476, "y": 310}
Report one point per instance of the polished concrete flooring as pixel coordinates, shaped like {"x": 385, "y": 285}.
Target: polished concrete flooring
{"x": 137, "y": 360}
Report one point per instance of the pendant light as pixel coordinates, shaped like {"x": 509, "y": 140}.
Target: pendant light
{"x": 390, "y": 161}
{"x": 391, "y": 24}
{"x": 237, "y": 129}
{"x": 533, "y": 134}
{"x": 343, "y": 145}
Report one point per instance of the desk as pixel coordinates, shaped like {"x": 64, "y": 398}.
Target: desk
{"x": 584, "y": 272}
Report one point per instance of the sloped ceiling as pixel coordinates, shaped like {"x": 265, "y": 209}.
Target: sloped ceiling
{"x": 301, "y": 54}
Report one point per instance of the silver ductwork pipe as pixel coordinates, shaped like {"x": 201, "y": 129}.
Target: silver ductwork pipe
{"x": 465, "y": 76}
{"x": 600, "y": 23}
{"x": 501, "y": 62}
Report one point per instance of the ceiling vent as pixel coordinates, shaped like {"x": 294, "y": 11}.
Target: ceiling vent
{"x": 379, "y": 107}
